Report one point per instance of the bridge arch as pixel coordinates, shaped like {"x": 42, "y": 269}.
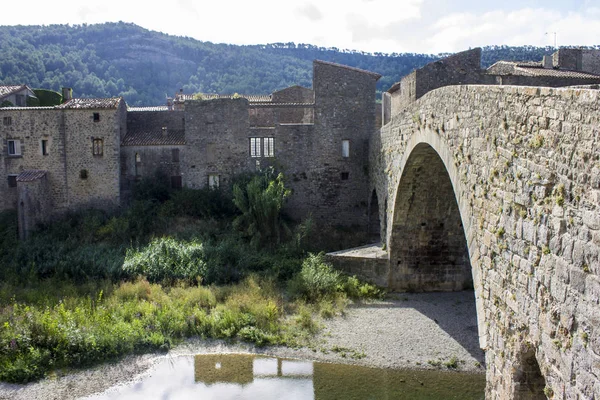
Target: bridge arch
{"x": 429, "y": 231}
{"x": 523, "y": 166}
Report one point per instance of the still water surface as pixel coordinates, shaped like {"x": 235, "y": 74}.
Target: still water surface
{"x": 245, "y": 376}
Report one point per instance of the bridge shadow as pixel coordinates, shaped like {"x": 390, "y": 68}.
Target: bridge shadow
{"x": 452, "y": 312}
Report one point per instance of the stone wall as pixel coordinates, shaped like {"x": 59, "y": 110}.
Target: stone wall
{"x": 216, "y": 133}
{"x": 340, "y": 184}
{"x": 35, "y": 205}
{"x": 523, "y": 166}
{"x": 590, "y": 61}
{"x": 30, "y": 127}
{"x": 547, "y": 81}
{"x": 93, "y": 180}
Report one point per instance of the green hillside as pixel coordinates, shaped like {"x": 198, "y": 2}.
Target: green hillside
{"x": 121, "y": 59}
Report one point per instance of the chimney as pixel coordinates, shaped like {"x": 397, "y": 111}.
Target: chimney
{"x": 164, "y": 131}
{"x": 67, "y": 94}
{"x": 547, "y": 62}
{"x": 169, "y": 104}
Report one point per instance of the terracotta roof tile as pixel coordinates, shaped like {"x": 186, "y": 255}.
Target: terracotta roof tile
{"x": 84, "y": 104}
{"x": 31, "y": 175}
{"x": 153, "y": 137}
{"x": 10, "y": 89}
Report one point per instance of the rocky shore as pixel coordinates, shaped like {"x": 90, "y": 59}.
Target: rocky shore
{"x": 405, "y": 331}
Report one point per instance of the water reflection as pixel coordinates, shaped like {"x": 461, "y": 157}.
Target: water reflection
{"x": 244, "y": 376}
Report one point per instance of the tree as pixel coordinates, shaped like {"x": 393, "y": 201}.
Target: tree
{"x": 260, "y": 202}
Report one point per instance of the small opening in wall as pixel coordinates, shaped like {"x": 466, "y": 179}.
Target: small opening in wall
{"x": 7, "y": 121}
{"x": 12, "y": 181}
{"x": 96, "y": 117}
{"x": 345, "y": 176}
{"x": 83, "y": 174}
{"x": 44, "y": 147}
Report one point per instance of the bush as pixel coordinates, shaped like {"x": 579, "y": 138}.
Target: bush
{"x": 167, "y": 260}
{"x": 202, "y": 203}
{"x": 260, "y": 203}
{"x": 316, "y": 279}
{"x": 48, "y": 98}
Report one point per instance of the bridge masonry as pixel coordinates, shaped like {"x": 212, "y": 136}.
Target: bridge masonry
{"x": 515, "y": 172}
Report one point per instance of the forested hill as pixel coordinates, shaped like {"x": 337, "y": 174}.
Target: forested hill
{"x": 121, "y": 59}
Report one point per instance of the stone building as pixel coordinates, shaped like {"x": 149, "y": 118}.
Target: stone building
{"x": 88, "y": 152}
{"x": 60, "y": 158}
{"x": 15, "y": 95}
{"x": 566, "y": 67}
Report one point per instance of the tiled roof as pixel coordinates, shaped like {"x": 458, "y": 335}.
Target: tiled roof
{"x": 141, "y": 109}
{"x": 31, "y": 175}
{"x": 536, "y": 69}
{"x": 252, "y": 98}
{"x": 27, "y": 108}
{"x": 153, "y": 137}
{"x": 280, "y": 105}
{"x": 84, "y": 104}
{"x": 374, "y": 74}
{"x": 10, "y": 89}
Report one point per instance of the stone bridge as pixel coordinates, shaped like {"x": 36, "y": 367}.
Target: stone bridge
{"x": 498, "y": 188}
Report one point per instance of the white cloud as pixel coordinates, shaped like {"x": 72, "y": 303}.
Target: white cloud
{"x": 372, "y": 25}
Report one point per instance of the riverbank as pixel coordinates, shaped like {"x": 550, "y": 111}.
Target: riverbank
{"x": 405, "y": 331}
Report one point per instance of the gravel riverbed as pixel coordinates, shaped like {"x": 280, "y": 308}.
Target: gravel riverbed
{"x": 405, "y": 331}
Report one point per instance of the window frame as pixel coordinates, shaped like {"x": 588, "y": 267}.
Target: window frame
{"x": 346, "y": 148}
{"x": 268, "y": 147}
{"x": 97, "y": 147}
{"x": 214, "y": 181}
{"x": 255, "y": 147}
{"x": 10, "y": 181}
{"x": 16, "y": 147}
{"x": 7, "y": 121}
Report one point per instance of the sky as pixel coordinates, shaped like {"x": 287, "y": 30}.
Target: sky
{"x": 387, "y": 26}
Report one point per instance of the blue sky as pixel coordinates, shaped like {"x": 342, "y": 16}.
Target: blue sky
{"x": 423, "y": 26}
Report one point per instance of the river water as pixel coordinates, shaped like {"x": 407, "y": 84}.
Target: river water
{"x": 246, "y": 376}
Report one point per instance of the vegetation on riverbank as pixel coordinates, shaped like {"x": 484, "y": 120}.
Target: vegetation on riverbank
{"x": 95, "y": 286}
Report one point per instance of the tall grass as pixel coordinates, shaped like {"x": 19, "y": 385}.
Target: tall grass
{"x": 80, "y": 330}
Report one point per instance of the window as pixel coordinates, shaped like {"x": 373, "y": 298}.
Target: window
{"x": 176, "y": 182}
{"x": 12, "y": 181}
{"x": 14, "y": 147}
{"x": 7, "y": 121}
{"x": 175, "y": 155}
{"x": 138, "y": 158}
{"x": 345, "y": 148}
{"x": 96, "y": 117}
{"x": 254, "y": 147}
{"x": 345, "y": 176}
{"x": 44, "y": 147}
{"x": 267, "y": 148}
{"x": 20, "y": 98}
{"x": 269, "y": 145}
{"x": 97, "y": 147}
{"x": 213, "y": 181}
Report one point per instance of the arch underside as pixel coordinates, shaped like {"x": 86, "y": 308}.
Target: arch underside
{"x": 428, "y": 249}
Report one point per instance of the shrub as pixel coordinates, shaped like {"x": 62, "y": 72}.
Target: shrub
{"x": 167, "y": 260}
{"x": 202, "y": 203}
{"x": 48, "y": 98}
{"x": 260, "y": 203}
{"x": 316, "y": 279}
